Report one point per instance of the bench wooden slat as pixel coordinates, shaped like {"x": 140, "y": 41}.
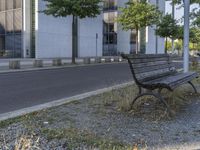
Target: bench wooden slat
{"x": 153, "y": 75}
{"x": 174, "y": 80}
{"x": 145, "y": 56}
{"x": 149, "y": 64}
{"x": 136, "y": 61}
{"x": 152, "y": 68}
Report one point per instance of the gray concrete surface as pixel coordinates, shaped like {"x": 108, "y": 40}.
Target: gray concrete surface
{"x": 19, "y": 90}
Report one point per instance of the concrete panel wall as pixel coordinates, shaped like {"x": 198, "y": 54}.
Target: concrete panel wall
{"x": 54, "y": 35}
{"x": 151, "y": 37}
{"x": 26, "y": 28}
{"x": 123, "y": 37}
{"x": 88, "y": 28}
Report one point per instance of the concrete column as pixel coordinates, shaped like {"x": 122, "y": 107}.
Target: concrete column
{"x": 186, "y": 34}
{"x": 26, "y": 28}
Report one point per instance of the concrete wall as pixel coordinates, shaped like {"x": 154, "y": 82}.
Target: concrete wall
{"x": 54, "y": 35}
{"x": 88, "y": 28}
{"x": 123, "y": 37}
{"x": 26, "y": 28}
{"x": 152, "y": 40}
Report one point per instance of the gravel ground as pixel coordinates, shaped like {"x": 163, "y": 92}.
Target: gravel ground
{"x": 99, "y": 123}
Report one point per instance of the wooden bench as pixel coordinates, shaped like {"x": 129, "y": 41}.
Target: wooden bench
{"x": 156, "y": 71}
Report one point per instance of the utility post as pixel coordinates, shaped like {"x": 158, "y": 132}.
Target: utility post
{"x": 186, "y": 35}
{"x": 173, "y": 16}
{"x": 96, "y": 44}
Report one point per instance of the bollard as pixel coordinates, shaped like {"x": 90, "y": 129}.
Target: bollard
{"x": 107, "y": 59}
{"x": 86, "y": 60}
{"x": 57, "y": 62}
{"x": 14, "y": 64}
{"x": 103, "y": 60}
{"x": 98, "y": 59}
{"x": 38, "y": 63}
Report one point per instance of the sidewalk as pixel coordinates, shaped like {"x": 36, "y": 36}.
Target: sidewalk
{"x": 26, "y": 64}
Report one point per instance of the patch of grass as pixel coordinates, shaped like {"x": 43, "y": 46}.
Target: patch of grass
{"x": 6, "y": 123}
{"x": 148, "y": 106}
{"x": 77, "y": 138}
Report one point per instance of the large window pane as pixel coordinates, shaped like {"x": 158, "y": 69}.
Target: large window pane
{"x": 17, "y": 21}
{"x": 2, "y": 23}
{"x": 9, "y": 22}
{"x": 18, "y": 45}
{"x": 10, "y": 28}
{"x": 2, "y": 42}
{"x": 9, "y": 43}
{"x": 2, "y": 45}
{"x": 17, "y": 3}
{"x": 18, "y": 42}
{"x": 2, "y": 5}
{"x": 9, "y": 4}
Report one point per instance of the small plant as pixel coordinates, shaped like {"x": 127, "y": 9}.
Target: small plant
{"x": 25, "y": 143}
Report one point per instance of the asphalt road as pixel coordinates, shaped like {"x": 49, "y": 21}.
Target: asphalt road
{"x": 25, "y": 89}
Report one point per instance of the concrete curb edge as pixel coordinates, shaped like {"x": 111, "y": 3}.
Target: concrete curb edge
{"x": 54, "y": 67}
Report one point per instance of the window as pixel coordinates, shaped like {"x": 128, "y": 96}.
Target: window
{"x": 2, "y": 5}
{"x": 2, "y": 23}
{"x": 9, "y": 4}
{"x": 10, "y": 28}
{"x": 9, "y": 22}
{"x": 110, "y": 5}
{"x": 17, "y": 21}
{"x": 17, "y": 3}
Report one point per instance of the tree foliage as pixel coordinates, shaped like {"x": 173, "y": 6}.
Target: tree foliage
{"x": 137, "y": 15}
{"x": 196, "y": 18}
{"x": 180, "y": 33}
{"x": 79, "y": 8}
{"x": 195, "y": 35}
{"x": 167, "y": 27}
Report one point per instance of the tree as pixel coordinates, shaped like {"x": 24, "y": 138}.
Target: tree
{"x": 196, "y": 18}
{"x": 167, "y": 28}
{"x": 137, "y": 15}
{"x": 194, "y": 36}
{"x": 75, "y": 8}
{"x": 179, "y": 33}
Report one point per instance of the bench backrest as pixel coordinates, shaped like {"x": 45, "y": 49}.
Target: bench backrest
{"x": 146, "y": 67}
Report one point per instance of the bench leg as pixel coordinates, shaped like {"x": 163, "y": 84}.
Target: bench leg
{"x": 140, "y": 90}
{"x": 156, "y": 95}
{"x": 195, "y": 90}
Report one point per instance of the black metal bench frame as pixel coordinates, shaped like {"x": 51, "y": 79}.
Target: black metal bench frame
{"x": 150, "y": 88}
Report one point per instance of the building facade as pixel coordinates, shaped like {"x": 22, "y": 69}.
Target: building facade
{"x": 26, "y": 32}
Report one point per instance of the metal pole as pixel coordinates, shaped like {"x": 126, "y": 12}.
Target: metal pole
{"x": 173, "y": 16}
{"x": 96, "y": 44}
{"x": 186, "y": 35}
{"x": 157, "y": 5}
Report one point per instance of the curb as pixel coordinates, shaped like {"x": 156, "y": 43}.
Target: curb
{"x": 59, "y": 102}
{"x": 53, "y": 67}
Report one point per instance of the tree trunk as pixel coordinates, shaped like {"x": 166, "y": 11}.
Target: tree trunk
{"x": 182, "y": 47}
{"x": 137, "y": 43}
{"x": 193, "y": 46}
{"x": 166, "y": 46}
{"x": 74, "y": 38}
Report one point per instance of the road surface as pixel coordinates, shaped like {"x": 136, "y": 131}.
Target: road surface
{"x": 25, "y": 89}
